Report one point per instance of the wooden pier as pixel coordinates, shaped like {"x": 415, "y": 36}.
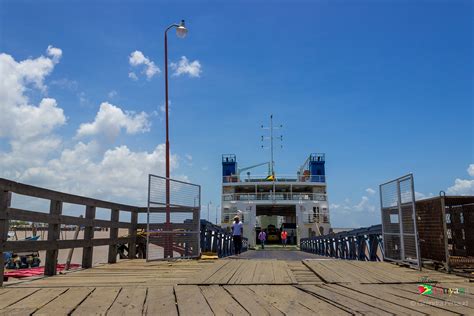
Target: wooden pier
{"x": 255, "y": 283}
{"x": 240, "y": 287}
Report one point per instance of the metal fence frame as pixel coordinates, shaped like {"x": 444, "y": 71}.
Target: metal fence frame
{"x": 446, "y": 231}
{"x": 177, "y": 229}
{"x": 387, "y": 210}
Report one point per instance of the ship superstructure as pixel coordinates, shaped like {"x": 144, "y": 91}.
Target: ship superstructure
{"x": 296, "y": 203}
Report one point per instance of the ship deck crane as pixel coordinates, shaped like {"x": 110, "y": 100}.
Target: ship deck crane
{"x": 240, "y": 170}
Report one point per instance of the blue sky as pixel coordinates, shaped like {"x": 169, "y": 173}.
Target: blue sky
{"x": 383, "y": 88}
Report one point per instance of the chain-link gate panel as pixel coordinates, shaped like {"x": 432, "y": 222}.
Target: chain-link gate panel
{"x": 173, "y": 234}
{"x": 397, "y": 200}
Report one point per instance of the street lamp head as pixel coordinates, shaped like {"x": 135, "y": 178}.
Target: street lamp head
{"x": 181, "y": 30}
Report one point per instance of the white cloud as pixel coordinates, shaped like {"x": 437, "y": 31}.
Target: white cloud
{"x": 136, "y": 59}
{"x": 370, "y": 191}
{"x": 110, "y": 120}
{"x": 463, "y": 186}
{"x": 20, "y": 119}
{"x": 470, "y": 170}
{"x": 193, "y": 69}
{"x": 364, "y": 205}
{"x": 133, "y": 76}
{"x": 38, "y": 155}
{"x": 118, "y": 173}
{"x": 55, "y": 53}
{"x": 112, "y": 94}
{"x": 188, "y": 159}
{"x": 162, "y": 111}
{"x": 422, "y": 196}
{"x": 66, "y": 83}
{"x": 363, "y": 213}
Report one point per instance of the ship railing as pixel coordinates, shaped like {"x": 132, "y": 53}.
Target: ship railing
{"x": 218, "y": 240}
{"x": 310, "y": 218}
{"x": 278, "y": 178}
{"x": 278, "y": 196}
{"x": 363, "y": 244}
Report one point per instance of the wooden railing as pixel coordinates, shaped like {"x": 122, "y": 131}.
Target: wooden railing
{"x": 55, "y": 219}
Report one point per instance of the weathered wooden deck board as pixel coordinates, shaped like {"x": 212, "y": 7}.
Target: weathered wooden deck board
{"x": 345, "y": 271}
{"x": 380, "y": 294}
{"x": 191, "y": 301}
{"x": 348, "y": 303}
{"x": 204, "y": 275}
{"x": 291, "y": 301}
{"x": 245, "y": 272}
{"x": 221, "y": 302}
{"x": 129, "y": 302}
{"x": 254, "y": 304}
{"x": 302, "y": 274}
{"x": 33, "y": 302}
{"x": 160, "y": 301}
{"x": 98, "y": 302}
{"x": 15, "y": 295}
{"x": 363, "y": 303}
{"x": 66, "y": 302}
{"x": 238, "y": 287}
{"x": 224, "y": 274}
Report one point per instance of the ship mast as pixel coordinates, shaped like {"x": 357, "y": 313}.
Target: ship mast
{"x": 271, "y": 138}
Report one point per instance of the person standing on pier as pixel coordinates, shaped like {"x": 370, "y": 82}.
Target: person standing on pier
{"x": 284, "y": 236}
{"x": 262, "y": 236}
{"x": 237, "y": 231}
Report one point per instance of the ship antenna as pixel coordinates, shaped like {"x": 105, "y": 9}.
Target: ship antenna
{"x": 272, "y": 138}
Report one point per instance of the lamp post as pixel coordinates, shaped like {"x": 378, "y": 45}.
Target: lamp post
{"x": 181, "y": 32}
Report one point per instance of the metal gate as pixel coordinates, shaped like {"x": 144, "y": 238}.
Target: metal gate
{"x": 400, "y": 237}
{"x": 173, "y": 233}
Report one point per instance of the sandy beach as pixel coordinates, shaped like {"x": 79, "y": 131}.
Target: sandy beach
{"x": 100, "y": 252}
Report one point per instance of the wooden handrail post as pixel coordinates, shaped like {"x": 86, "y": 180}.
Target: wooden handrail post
{"x": 5, "y": 200}
{"x": 87, "y": 252}
{"x": 71, "y": 251}
{"x": 54, "y": 231}
{"x": 196, "y": 245}
{"x": 114, "y": 217}
{"x": 132, "y": 231}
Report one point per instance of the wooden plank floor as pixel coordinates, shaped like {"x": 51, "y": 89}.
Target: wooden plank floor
{"x": 245, "y": 272}
{"x": 238, "y": 287}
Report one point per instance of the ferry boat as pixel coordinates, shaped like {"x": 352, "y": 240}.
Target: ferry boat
{"x": 297, "y": 203}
